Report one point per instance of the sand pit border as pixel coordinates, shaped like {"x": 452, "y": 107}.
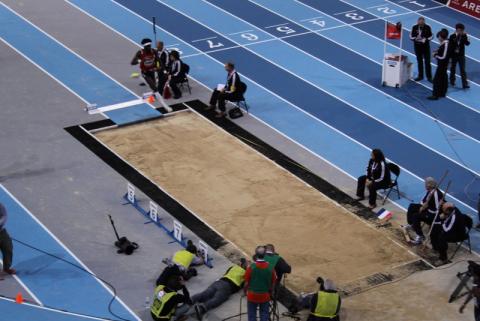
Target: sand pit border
{"x": 217, "y": 241}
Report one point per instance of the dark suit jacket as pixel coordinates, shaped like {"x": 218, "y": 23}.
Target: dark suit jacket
{"x": 426, "y": 33}
{"x": 457, "y": 44}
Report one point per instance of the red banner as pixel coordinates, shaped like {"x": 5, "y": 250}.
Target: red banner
{"x": 394, "y": 31}
{"x": 470, "y": 7}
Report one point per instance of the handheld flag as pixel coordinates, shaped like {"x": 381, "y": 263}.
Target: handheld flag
{"x": 394, "y": 31}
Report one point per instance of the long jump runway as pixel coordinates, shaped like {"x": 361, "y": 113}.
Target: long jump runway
{"x": 250, "y": 200}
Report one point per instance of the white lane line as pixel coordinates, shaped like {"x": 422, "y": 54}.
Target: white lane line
{"x": 55, "y": 310}
{"x": 236, "y": 33}
{"x": 279, "y": 25}
{"x": 323, "y": 90}
{"x": 203, "y": 39}
{"x": 117, "y": 298}
{"x": 344, "y": 12}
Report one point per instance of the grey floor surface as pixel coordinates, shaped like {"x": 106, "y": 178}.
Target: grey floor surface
{"x": 67, "y": 187}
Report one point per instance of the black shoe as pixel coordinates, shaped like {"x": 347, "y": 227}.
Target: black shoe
{"x": 199, "y": 311}
{"x": 466, "y": 86}
{"x": 177, "y": 97}
{"x": 360, "y": 198}
{"x": 429, "y": 79}
{"x": 432, "y": 98}
{"x": 209, "y": 107}
{"x": 452, "y": 84}
{"x": 418, "y": 79}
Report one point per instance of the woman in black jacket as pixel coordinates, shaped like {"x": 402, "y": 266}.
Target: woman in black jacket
{"x": 442, "y": 54}
{"x": 377, "y": 177}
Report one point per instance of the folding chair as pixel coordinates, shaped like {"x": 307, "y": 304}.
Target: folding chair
{"x": 241, "y": 102}
{"x": 185, "y": 83}
{"x": 468, "y": 226}
{"x": 395, "y": 170}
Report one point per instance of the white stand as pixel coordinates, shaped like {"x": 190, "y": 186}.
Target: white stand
{"x": 397, "y": 70}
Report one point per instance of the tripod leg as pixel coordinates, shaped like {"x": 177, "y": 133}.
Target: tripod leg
{"x": 464, "y": 277}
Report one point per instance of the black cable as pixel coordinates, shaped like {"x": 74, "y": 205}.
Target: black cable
{"x": 447, "y": 138}
{"x": 114, "y": 290}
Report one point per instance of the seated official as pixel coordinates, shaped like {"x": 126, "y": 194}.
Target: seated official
{"x": 377, "y": 177}
{"x": 451, "y": 229}
{"x": 323, "y": 305}
{"x": 231, "y": 91}
{"x": 166, "y": 300}
{"x": 426, "y": 210}
{"x": 176, "y": 73}
{"x": 219, "y": 291}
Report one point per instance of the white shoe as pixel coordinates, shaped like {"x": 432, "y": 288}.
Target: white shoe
{"x": 418, "y": 240}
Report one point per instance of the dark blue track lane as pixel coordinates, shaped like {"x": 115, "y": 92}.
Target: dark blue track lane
{"x": 377, "y": 27}
{"x": 449, "y": 112}
{"x": 330, "y": 110}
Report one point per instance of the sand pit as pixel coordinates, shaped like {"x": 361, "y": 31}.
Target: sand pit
{"x": 251, "y": 201}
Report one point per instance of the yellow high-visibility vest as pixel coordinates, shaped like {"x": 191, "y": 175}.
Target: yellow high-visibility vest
{"x": 236, "y": 274}
{"x": 160, "y": 299}
{"x": 183, "y": 258}
{"x": 327, "y": 304}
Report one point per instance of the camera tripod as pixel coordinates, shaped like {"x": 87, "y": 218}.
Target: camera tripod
{"x": 457, "y": 293}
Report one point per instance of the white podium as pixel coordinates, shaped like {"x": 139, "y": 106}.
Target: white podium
{"x": 396, "y": 70}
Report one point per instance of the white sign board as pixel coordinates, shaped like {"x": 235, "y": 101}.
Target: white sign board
{"x": 203, "y": 249}
{"x": 153, "y": 211}
{"x": 131, "y": 193}
{"x": 177, "y": 230}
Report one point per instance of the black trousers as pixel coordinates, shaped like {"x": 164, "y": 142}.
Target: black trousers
{"x": 422, "y": 51}
{"x": 220, "y": 97}
{"x": 440, "y": 80}
{"x": 415, "y": 218}
{"x": 6, "y": 247}
{"x": 174, "y": 81}
{"x": 460, "y": 60}
{"x": 441, "y": 239}
{"x": 149, "y": 77}
{"x": 476, "y": 311}
{"x": 372, "y": 189}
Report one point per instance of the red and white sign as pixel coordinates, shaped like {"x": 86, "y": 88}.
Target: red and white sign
{"x": 470, "y": 7}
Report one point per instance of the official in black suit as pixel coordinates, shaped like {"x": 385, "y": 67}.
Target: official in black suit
{"x": 440, "y": 81}
{"x": 421, "y": 35}
{"x": 457, "y": 43}
{"x": 229, "y": 92}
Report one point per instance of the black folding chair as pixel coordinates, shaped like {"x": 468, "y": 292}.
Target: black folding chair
{"x": 468, "y": 226}
{"x": 241, "y": 102}
{"x": 395, "y": 170}
{"x": 185, "y": 84}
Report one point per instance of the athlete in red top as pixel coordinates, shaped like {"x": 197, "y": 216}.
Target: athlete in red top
{"x": 148, "y": 59}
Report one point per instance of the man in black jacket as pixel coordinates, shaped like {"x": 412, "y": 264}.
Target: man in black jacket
{"x": 457, "y": 42}
{"x": 451, "y": 230}
{"x": 231, "y": 90}
{"x": 426, "y": 210}
{"x": 281, "y": 266}
{"x": 421, "y": 35}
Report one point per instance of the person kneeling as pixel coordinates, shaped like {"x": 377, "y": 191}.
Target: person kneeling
{"x": 323, "y": 305}
{"x": 219, "y": 291}
{"x": 166, "y": 300}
